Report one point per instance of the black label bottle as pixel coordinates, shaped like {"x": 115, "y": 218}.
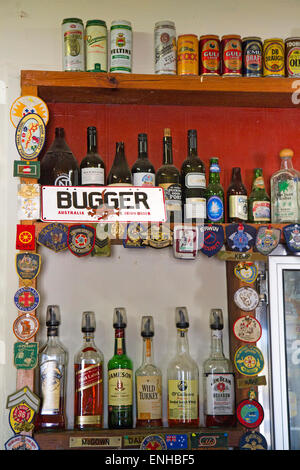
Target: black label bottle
{"x": 120, "y": 174}
{"x": 92, "y": 168}
{"x": 237, "y": 201}
{"x": 143, "y": 173}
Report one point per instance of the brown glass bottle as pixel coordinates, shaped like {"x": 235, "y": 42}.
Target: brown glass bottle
{"x": 237, "y": 201}
{"x": 120, "y": 174}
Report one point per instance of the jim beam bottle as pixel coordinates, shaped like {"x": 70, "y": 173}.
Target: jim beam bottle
{"x": 120, "y": 174}
{"x": 148, "y": 380}
{"x": 183, "y": 379}
{"x": 143, "y": 173}
{"x": 88, "y": 368}
{"x": 237, "y": 201}
{"x": 259, "y": 206}
{"x": 92, "y": 168}
{"x": 219, "y": 391}
{"x": 120, "y": 393}
{"x": 52, "y": 376}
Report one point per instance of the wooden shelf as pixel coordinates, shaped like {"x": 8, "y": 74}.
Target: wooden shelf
{"x": 131, "y": 89}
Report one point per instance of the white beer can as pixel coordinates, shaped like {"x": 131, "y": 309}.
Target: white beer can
{"x": 96, "y": 46}
{"x": 121, "y": 46}
{"x": 73, "y": 45}
{"x": 165, "y": 48}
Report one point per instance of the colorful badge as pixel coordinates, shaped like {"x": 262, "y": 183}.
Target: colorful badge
{"x": 24, "y": 395}
{"x": 26, "y": 355}
{"x": 246, "y": 272}
{"x": 26, "y": 326}
{"x": 26, "y": 299}
{"x": 209, "y": 440}
{"x": 28, "y": 202}
{"x": 28, "y": 105}
{"x": 24, "y": 169}
{"x": 137, "y": 235}
{"x": 54, "y": 236}
{"x": 28, "y": 266}
{"x": 21, "y": 442}
{"x": 267, "y": 239}
{"x": 213, "y": 239}
{"x": 249, "y": 360}
{"x": 246, "y": 299}
{"x": 30, "y": 136}
{"x": 25, "y": 239}
{"x": 250, "y": 413}
{"x": 81, "y": 239}
{"x": 185, "y": 242}
{"x": 240, "y": 237}
{"x": 153, "y": 442}
{"x": 22, "y": 405}
{"x": 292, "y": 237}
{"x": 160, "y": 235}
{"x": 253, "y": 440}
{"x": 102, "y": 241}
{"x": 176, "y": 441}
{"x": 247, "y": 329}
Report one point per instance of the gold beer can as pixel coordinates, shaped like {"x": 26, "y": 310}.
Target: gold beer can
{"x": 187, "y": 54}
{"x": 274, "y": 58}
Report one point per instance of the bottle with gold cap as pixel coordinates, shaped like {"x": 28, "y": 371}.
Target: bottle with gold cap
{"x": 284, "y": 191}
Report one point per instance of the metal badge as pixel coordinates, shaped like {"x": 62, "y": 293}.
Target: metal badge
{"x": 26, "y": 299}
{"x": 246, "y": 299}
{"x": 240, "y": 237}
{"x": 26, "y": 326}
{"x": 252, "y": 382}
{"x": 213, "y": 239}
{"x": 267, "y": 239}
{"x": 185, "y": 242}
{"x": 176, "y": 441}
{"x": 28, "y": 202}
{"x": 28, "y": 266}
{"x": 137, "y": 235}
{"x": 54, "y": 236}
{"x": 81, "y": 239}
{"x": 30, "y": 136}
{"x": 26, "y": 355}
{"x": 154, "y": 442}
{"x": 21, "y": 442}
{"x": 160, "y": 236}
{"x": 28, "y": 105}
{"x": 247, "y": 329}
{"x": 250, "y": 413}
{"x": 249, "y": 360}
{"x": 101, "y": 442}
{"x": 253, "y": 440}
{"x": 246, "y": 272}
{"x": 25, "y": 239}
{"x": 24, "y": 169}
{"x": 292, "y": 237}
{"x": 209, "y": 440}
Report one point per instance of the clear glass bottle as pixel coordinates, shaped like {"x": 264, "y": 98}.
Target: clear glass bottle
{"x": 52, "y": 376}
{"x": 183, "y": 379}
{"x": 92, "y": 168}
{"x": 88, "y": 375}
{"x": 285, "y": 195}
{"x": 218, "y": 380}
{"x": 143, "y": 172}
{"x": 148, "y": 381}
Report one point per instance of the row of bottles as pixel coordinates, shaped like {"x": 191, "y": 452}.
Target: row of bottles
{"x": 185, "y": 189}
{"x": 182, "y": 379}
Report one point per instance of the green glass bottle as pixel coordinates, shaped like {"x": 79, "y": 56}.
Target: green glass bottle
{"x": 120, "y": 396}
{"x": 214, "y": 194}
{"x": 259, "y": 206}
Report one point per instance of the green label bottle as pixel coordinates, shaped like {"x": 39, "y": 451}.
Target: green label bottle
{"x": 214, "y": 194}
{"x": 259, "y": 206}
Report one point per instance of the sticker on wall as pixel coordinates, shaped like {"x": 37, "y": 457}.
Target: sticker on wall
{"x": 28, "y": 105}
{"x": 26, "y": 326}
{"x": 250, "y": 413}
{"x": 213, "y": 239}
{"x": 28, "y": 202}
{"x": 24, "y": 169}
{"x": 292, "y": 237}
{"x": 253, "y": 440}
{"x": 81, "y": 239}
{"x": 28, "y": 266}
{"x": 153, "y": 442}
{"x": 30, "y": 136}
{"x": 246, "y": 272}
{"x": 267, "y": 239}
{"x": 54, "y": 236}
{"x": 26, "y": 355}
{"x": 240, "y": 237}
{"x": 247, "y": 329}
{"x": 26, "y": 299}
{"x": 25, "y": 239}
{"x": 21, "y": 442}
{"x": 249, "y": 360}
{"x": 246, "y": 299}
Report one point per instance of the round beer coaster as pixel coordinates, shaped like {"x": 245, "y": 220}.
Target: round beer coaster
{"x": 247, "y": 329}
{"x": 30, "y": 136}
{"x": 246, "y": 299}
{"x": 26, "y": 326}
{"x": 250, "y": 413}
{"x": 249, "y": 360}
{"x": 153, "y": 442}
{"x": 28, "y": 105}
{"x": 26, "y": 299}
{"x": 253, "y": 440}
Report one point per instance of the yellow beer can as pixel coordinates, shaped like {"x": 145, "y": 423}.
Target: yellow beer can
{"x": 274, "y": 58}
{"x": 187, "y": 54}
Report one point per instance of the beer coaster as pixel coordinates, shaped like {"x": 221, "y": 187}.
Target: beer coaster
{"x": 213, "y": 239}
{"x": 154, "y": 442}
{"x": 24, "y": 169}
{"x": 26, "y": 326}
{"x": 240, "y": 237}
{"x": 28, "y": 266}
{"x": 26, "y": 299}
{"x": 249, "y": 360}
{"x": 250, "y": 413}
{"x": 246, "y": 299}
{"x": 81, "y": 239}
{"x": 253, "y": 440}
{"x": 267, "y": 239}
{"x": 26, "y": 355}
{"x": 30, "y": 136}
{"x": 21, "y": 442}
{"x": 246, "y": 272}
{"x": 28, "y": 105}
{"x": 25, "y": 239}
{"x": 247, "y": 329}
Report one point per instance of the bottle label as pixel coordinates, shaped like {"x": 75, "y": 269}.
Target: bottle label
{"x": 144, "y": 179}
{"x": 52, "y": 376}
{"x": 286, "y": 201}
{"x": 183, "y": 399}
{"x": 219, "y": 394}
{"x": 195, "y": 180}
{"x": 259, "y": 183}
{"x": 195, "y": 208}
{"x": 172, "y": 196}
{"x": 215, "y": 209}
{"x": 92, "y": 176}
{"x": 63, "y": 180}
{"x": 149, "y": 397}
{"x": 88, "y": 377}
{"x": 120, "y": 387}
{"x": 238, "y": 206}
{"x": 261, "y": 211}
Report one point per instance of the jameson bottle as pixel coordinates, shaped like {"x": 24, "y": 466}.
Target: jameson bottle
{"x": 59, "y": 166}
{"x": 120, "y": 174}
{"x": 52, "y": 376}
{"x": 193, "y": 182}
{"x": 88, "y": 369}
{"x": 92, "y": 168}
{"x": 143, "y": 173}
{"x": 120, "y": 396}
{"x": 168, "y": 178}
{"x": 259, "y": 206}
{"x": 237, "y": 202}
{"x": 148, "y": 381}
{"x": 214, "y": 194}
{"x": 218, "y": 380}
{"x": 183, "y": 379}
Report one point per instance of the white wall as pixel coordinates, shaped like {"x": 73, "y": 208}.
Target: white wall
{"x": 149, "y": 282}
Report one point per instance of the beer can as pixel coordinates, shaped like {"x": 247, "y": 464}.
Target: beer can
{"x": 273, "y": 61}
{"x": 231, "y": 58}
{"x": 121, "y": 46}
{"x": 187, "y": 54}
{"x": 96, "y": 46}
{"x": 209, "y": 54}
{"x": 165, "y": 48}
{"x": 73, "y": 45}
{"x": 252, "y": 56}
{"x": 292, "y": 57}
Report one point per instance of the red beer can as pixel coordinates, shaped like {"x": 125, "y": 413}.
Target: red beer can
{"x": 232, "y": 54}
{"x": 209, "y": 47}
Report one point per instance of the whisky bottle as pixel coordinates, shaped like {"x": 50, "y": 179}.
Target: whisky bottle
{"x": 52, "y": 376}
{"x": 143, "y": 173}
{"x": 120, "y": 393}
{"x": 259, "y": 210}
{"x": 218, "y": 380}
{"x": 120, "y": 174}
{"x": 168, "y": 178}
{"x": 148, "y": 380}
{"x": 193, "y": 182}
{"x": 237, "y": 201}
{"x": 214, "y": 194}
{"x": 88, "y": 375}
{"x": 183, "y": 379}
{"x": 92, "y": 168}
{"x": 59, "y": 167}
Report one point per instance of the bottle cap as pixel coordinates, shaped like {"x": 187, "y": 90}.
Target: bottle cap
{"x": 216, "y": 319}
{"x": 286, "y": 153}
{"x": 181, "y": 317}
{"x": 147, "y": 327}
{"x": 120, "y": 319}
{"x": 88, "y": 323}
{"x": 53, "y": 316}
{"x": 167, "y": 132}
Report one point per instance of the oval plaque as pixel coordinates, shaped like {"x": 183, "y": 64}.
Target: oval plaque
{"x": 30, "y": 136}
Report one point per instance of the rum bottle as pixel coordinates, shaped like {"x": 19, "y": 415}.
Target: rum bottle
{"x": 237, "y": 202}
{"x": 120, "y": 174}
{"x": 88, "y": 369}
{"x": 183, "y": 379}
{"x": 148, "y": 380}
{"x": 92, "y": 168}
{"x": 218, "y": 380}
{"x": 259, "y": 206}
{"x": 214, "y": 194}
{"x": 143, "y": 173}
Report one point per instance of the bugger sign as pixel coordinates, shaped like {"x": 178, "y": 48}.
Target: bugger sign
{"x": 102, "y": 204}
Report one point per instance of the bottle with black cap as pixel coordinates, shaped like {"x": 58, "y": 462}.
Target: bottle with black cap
{"x": 148, "y": 381}
{"x": 92, "y": 168}
{"x": 52, "y": 375}
{"x": 183, "y": 379}
{"x": 88, "y": 375}
{"x": 120, "y": 392}
{"x": 143, "y": 173}
{"x": 218, "y": 380}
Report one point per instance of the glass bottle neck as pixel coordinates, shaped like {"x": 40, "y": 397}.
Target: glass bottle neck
{"x": 236, "y": 175}
{"x": 192, "y": 147}
{"x": 88, "y": 340}
{"x": 286, "y": 164}
{"x": 167, "y": 151}
{"x": 182, "y": 341}
{"x": 214, "y": 177}
{"x": 142, "y": 149}
{"x": 120, "y": 155}
{"x": 120, "y": 347}
{"x": 91, "y": 142}
{"x": 147, "y": 351}
{"x": 216, "y": 345}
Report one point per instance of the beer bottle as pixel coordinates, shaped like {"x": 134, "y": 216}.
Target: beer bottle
{"x": 120, "y": 174}
{"x": 237, "y": 203}
{"x": 92, "y": 168}
{"x": 259, "y": 209}
{"x": 143, "y": 173}
{"x": 214, "y": 194}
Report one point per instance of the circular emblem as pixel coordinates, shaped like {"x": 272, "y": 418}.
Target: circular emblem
{"x": 249, "y": 360}
{"x": 27, "y": 299}
{"x": 250, "y": 413}
{"x": 25, "y": 237}
{"x": 30, "y": 136}
{"x": 246, "y": 272}
{"x": 153, "y": 442}
{"x": 81, "y": 239}
{"x": 246, "y": 299}
{"x": 28, "y": 105}
{"x": 21, "y": 442}
{"x": 26, "y": 326}
{"x": 253, "y": 440}
{"x": 247, "y": 329}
